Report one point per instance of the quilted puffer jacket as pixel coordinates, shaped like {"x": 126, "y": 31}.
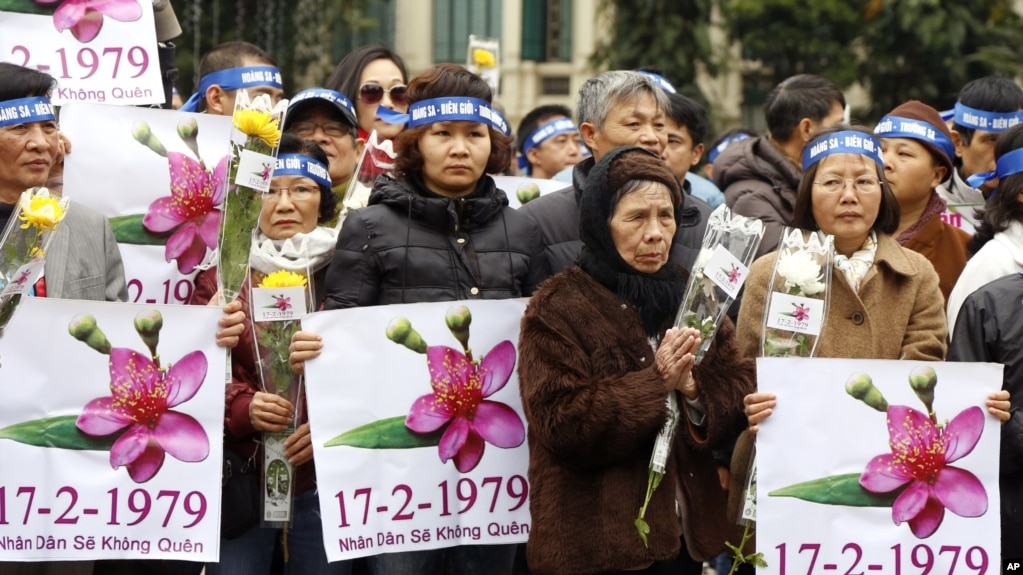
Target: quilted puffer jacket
{"x": 410, "y": 245}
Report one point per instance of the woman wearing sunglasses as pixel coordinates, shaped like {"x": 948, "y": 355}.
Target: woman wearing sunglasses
{"x": 373, "y": 76}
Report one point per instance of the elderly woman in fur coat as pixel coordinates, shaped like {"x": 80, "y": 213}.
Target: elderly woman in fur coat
{"x": 597, "y": 365}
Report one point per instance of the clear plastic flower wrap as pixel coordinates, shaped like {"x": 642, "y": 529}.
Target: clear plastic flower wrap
{"x": 23, "y": 245}
{"x": 255, "y": 136}
{"x": 798, "y": 294}
{"x": 281, "y": 295}
{"x": 729, "y": 247}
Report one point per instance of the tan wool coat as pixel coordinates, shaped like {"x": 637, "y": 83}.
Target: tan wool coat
{"x": 897, "y": 314}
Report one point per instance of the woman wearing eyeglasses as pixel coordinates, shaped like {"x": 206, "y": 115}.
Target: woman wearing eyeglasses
{"x": 439, "y": 230}
{"x": 371, "y": 77}
{"x": 300, "y": 198}
{"x": 885, "y": 299}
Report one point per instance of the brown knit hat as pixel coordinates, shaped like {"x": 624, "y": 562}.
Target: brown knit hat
{"x": 636, "y": 165}
{"x": 941, "y": 145}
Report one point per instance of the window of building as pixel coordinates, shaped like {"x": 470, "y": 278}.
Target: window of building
{"x": 454, "y": 20}
{"x": 547, "y": 30}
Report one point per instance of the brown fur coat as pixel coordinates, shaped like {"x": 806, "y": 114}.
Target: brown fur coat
{"x": 595, "y": 401}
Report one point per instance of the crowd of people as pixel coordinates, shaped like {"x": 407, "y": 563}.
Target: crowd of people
{"x": 605, "y": 262}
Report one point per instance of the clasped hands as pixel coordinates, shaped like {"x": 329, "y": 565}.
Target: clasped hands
{"x": 675, "y": 360}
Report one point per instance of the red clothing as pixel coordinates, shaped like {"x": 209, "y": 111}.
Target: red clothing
{"x": 239, "y": 435}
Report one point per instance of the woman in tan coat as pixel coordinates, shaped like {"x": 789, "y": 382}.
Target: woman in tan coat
{"x": 885, "y": 299}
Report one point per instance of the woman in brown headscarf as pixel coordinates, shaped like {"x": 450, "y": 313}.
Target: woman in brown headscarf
{"x": 597, "y": 364}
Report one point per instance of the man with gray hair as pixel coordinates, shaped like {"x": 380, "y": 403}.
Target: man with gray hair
{"x": 617, "y": 108}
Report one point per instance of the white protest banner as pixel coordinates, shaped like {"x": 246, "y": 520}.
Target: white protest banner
{"x": 962, "y": 216}
{"x": 890, "y": 466}
{"x": 97, "y": 51}
{"x": 158, "y": 175}
{"x": 110, "y": 432}
{"x": 521, "y": 189}
{"x": 460, "y": 477}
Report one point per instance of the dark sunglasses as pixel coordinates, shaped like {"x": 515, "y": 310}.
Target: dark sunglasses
{"x": 373, "y": 93}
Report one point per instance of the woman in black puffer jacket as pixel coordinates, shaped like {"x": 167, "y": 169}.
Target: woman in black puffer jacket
{"x": 439, "y": 231}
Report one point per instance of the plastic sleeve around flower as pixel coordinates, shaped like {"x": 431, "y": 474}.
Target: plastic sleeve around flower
{"x": 751, "y": 310}
{"x": 582, "y": 418}
{"x": 752, "y": 205}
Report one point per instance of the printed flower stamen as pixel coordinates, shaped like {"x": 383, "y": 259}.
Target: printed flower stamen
{"x": 920, "y": 457}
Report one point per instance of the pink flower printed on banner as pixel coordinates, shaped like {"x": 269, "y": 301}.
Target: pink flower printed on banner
{"x": 141, "y": 398}
{"x": 85, "y": 17}
{"x": 801, "y": 313}
{"x": 921, "y": 453}
{"x": 459, "y": 391}
{"x": 191, "y": 209}
{"x": 282, "y": 303}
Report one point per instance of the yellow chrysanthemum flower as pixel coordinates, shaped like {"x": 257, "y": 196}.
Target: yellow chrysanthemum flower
{"x": 259, "y": 124}
{"x": 283, "y": 279}
{"x": 484, "y": 58}
{"x": 40, "y": 211}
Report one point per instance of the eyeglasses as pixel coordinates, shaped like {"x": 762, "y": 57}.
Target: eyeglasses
{"x": 373, "y": 93}
{"x": 332, "y": 129}
{"x": 862, "y": 184}
{"x": 297, "y": 193}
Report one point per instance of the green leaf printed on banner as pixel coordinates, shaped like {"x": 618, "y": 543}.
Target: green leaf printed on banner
{"x": 27, "y": 7}
{"x": 837, "y": 490}
{"x": 386, "y": 434}
{"x": 129, "y": 230}
{"x": 59, "y": 432}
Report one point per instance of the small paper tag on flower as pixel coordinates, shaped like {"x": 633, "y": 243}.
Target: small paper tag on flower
{"x": 665, "y": 439}
{"x": 749, "y": 504}
{"x": 255, "y": 170}
{"x": 795, "y": 313}
{"x": 23, "y": 279}
{"x": 278, "y": 477}
{"x": 278, "y": 304}
{"x": 726, "y": 271}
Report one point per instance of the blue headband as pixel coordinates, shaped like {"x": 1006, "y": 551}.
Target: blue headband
{"x": 500, "y": 122}
{"x": 664, "y": 84}
{"x": 541, "y": 135}
{"x": 334, "y": 97}
{"x": 26, "y": 111}
{"x": 724, "y": 144}
{"x": 968, "y": 117}
{"x": 844, "y": 142}
{"x": 947, "y": 114}
{"x": 301, "y": 165}
{"x": 1007, "y": 165}
{"x": 548, "y": 131}
{"x": 449, "y": 109}
{"x": 899, "y": 127}
{"x": 234, "y": 79}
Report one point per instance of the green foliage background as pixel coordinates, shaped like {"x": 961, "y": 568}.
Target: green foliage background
{"x": 897, "y": 49}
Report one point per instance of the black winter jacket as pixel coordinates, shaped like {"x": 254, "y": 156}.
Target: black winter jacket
{"x": 557, "y": 214}
{"x": 410, "y": 245}
{"x": 989, "y": 328}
